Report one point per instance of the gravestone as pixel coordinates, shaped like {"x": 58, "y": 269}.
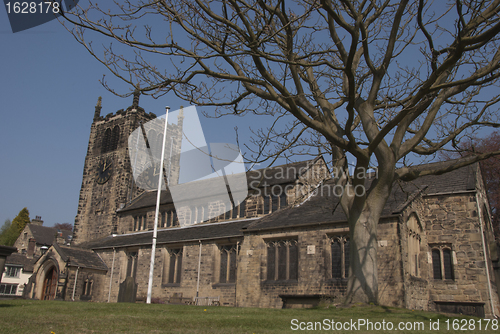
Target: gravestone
{"x": 128, "y": 291}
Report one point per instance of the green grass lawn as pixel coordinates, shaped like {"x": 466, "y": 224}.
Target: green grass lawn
{"x": 45, "y": 317}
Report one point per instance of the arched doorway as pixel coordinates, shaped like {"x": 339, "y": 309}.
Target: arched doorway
{"x": 50, "y": 284}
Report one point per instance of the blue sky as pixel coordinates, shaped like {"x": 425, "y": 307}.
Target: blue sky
{"x": 49, "y": 87}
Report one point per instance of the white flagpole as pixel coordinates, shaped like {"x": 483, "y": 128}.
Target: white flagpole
{"x": 155, "y": 228}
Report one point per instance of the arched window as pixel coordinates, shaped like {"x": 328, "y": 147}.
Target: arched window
{"x": 115, "y": 138}
{"x": 282, "y": 260}
{"x": 106, "y": 141}
{"x": 442, "y": 262}
{"x": 414, "y": 239}
{"x": 447, "y": 264}
{"x": 151, "y": 140}
{"x": 436, "y": 263}
{"x": 340, "y": 257}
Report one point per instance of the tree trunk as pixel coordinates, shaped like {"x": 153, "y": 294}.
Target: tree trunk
{"x": 362, "y": 286}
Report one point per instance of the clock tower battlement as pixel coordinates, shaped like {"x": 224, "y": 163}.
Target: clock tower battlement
{"x": 107, "y": 182}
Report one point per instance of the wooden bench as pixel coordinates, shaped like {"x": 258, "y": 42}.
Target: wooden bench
{"x": 207, "y": 301}
{"x": 178, "y": 299}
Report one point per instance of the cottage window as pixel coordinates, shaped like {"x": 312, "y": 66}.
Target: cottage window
{"x": 414, "y": 239}
{"x": 340, "y": 256}
{"x": 8, "y": 289}
{"x": 228, "y": 264}
{"x": 442, "y": 262}
{"x": 174, "y": 266}
{"x": 282, "y": 260}
{"x": 12, "y": 271}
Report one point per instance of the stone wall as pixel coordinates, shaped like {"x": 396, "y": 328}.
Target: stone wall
{"x": 453, "y": 221}
{"x": 314, "y": 276}
{"x": 209, "y": 285}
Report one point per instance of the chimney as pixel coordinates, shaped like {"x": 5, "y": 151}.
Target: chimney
{"x": 31, "y": 248}
{"x": 60, "y": 238}
{"x": 37, "y": 221}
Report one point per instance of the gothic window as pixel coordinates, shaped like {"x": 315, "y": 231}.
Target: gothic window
{"x": 202, "y": 214}
{"x": 242, "y": 209}
{"x": 106, "y": 141}
{"x": 228, "y": 214}
{"x": 442, "y": 262}
{"x": 131, "y": 264}
{"x": 172, "y": 266}
{"x": 273, "y": 203}
{"x": 228, "y": 264}
{"x": 340, "y": 256}
{"x": 151, "y": 139}
{"x": 414, "y": 240}
{"x": 282, "y": 199}
{"x": 140, "y": 223}
{"x": 282, "y": 260}
{"x": 162, "y": 220}
{"x": 171, "y": 219}
{"x": 115, "y": 138}
{"x": 87, "y": 287}
{"x": 267, "y": 200}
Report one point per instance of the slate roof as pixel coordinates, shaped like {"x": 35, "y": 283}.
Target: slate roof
{"x": 45, "y": 235}
{"x": 283, "y": 174}
{"x": 320, "y": 208}
{"x": 197, "y": 232}
{"x": 79, "y": 257}
{"x": 21, "y": 260}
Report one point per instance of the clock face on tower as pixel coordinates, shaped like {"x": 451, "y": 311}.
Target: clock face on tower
{"x": 104, "y": 170}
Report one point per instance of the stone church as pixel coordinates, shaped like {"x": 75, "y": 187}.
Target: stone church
{"x": 286, "y": 245}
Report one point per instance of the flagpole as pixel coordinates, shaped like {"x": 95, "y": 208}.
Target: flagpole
{"x": 155, "y": 228}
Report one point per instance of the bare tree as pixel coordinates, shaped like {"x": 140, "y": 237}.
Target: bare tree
{"x": 371, "y": 82}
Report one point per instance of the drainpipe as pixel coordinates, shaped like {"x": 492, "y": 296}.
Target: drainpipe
{"x": 111, "y": 277}
{"x": 236, "y": 281}
{"x": 74, "y": 285}
{"x": 199, "y": 267}
{"x": 485, "y": 259}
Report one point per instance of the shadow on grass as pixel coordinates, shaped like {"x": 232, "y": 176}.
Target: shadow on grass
{"x": 7, "y": 305}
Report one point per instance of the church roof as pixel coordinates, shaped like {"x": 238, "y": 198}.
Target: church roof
{"x": 320, "y": 208}
{"x": 323, "y": 207}
{"x": 45, "y": 235}
{"x": 283, "y": 174}
{"x": 79, "y": 257}
{"x": 197, "y": 232}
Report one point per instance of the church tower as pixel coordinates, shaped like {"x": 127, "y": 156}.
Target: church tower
{"x": 107, "y": 183}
